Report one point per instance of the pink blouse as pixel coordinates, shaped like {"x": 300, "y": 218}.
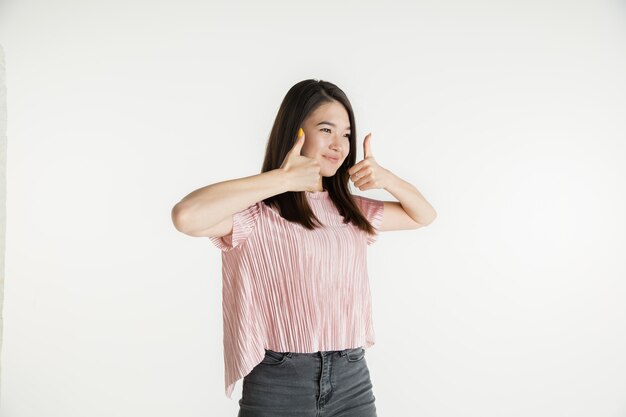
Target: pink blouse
{"x": 291, "y": 289}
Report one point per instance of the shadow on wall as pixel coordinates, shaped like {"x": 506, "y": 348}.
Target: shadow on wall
{"x": 3, "y": 185}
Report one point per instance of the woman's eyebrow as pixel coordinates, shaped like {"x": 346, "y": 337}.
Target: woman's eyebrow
{"x": 329, "y": 123}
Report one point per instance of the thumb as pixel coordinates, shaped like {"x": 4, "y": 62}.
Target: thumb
{"x": 297, "y": 147}
{"x": 367, "y": 146}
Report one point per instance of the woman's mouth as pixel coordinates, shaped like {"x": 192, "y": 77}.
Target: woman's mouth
{"x": 333, "y": 160}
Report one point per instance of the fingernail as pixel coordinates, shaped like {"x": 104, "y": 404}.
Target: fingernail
{"x": 300, "y": 133}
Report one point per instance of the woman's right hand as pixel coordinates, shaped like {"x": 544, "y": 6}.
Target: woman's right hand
{"x": 303, "y": 172}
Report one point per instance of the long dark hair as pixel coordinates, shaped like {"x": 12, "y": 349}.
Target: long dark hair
{"x": 302, "y": 99}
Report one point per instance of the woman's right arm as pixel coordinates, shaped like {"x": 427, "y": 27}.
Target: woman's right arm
{"x": 208, "y": 211}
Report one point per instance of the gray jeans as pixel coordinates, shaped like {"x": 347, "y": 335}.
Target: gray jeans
{"x": 333, "y": 383}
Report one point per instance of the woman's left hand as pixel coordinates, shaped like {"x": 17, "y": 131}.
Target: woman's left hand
{"x": 367, "y": 174}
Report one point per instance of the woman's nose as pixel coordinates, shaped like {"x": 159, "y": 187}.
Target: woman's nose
{"x": 335, "y": 146}
{"x": 336, "y": 143}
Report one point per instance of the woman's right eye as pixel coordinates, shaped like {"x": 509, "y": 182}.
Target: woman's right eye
{"x": 325, "y": 128}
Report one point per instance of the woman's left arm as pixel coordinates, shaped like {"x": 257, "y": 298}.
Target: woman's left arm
{"x": 410, "y": 211}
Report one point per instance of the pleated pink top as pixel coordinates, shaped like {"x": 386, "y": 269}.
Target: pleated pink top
{"x": 291, "y": 289}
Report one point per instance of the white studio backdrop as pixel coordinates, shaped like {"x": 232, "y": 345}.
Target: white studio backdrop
{"x": 3, "y": 189}
{"x": 507, "y": 115}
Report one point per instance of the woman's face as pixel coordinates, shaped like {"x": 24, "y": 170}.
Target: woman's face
{"x": 327, "y": 137}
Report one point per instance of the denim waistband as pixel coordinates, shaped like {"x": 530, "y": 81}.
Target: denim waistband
{"x": 320, "y": 353}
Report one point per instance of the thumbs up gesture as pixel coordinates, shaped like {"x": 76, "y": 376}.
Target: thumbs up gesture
{"x": 303, "y": 172}
{"x": 367, "y": 174}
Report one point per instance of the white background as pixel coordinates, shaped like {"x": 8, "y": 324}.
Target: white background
{"x": 509, "y": 116}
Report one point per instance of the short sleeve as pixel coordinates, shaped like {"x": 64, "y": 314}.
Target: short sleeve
{"x": 244, "y": 223}
{"x": 372, "y": 210}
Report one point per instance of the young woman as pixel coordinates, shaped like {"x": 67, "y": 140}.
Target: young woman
{"x": 295, "y": 291}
